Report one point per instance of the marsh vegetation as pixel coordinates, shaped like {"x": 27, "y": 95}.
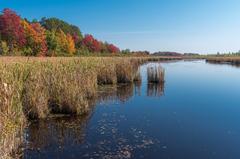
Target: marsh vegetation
{"x": 232, "y": 60}
{"x": 36, "y": 88}
{"x": 155, "y": 74}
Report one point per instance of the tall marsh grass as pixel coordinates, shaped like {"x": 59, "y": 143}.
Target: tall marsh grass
{"x": 34, "y": 88}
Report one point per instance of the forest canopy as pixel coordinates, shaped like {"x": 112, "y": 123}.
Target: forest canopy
{"x": 47, "y": 37}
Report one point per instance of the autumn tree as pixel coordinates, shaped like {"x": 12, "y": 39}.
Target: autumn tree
{"x": 54, "y": 24}
{"x": 36, "y": 44}
{"x": 70, "y": 45}
{"x": 40, "y": 39}
{"x": 62, "y": 41}
{"x": 11, "y": 29}
{"x": 91, "y": 43}
{"x": 60, "y": 44}
{"x": 113, "y": 49}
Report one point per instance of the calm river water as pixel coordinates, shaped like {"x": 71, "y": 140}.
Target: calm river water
{"x": 194, "y": 115}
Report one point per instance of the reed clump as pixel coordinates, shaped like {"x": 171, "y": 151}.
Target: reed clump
{"x": 127, "y": 70}
{"x": 35, "y": 94}
{"x": 155, "y": 74}
{"x": 71, "y": 87}
{"x": 106, "y": 73}
{"x": 11, "y": 116}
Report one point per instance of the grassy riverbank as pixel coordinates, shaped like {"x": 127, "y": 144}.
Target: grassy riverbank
{"x": 234, "y": 60}
{"x": 34, "y": 88}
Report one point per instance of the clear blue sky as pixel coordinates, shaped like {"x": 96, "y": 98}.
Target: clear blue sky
{"x": 203, "y": 26}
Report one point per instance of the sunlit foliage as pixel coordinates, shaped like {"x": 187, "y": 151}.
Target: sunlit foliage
{"x": 47, "y": 37}
{"x": 35, "y": 39}
{"x": 11, "y": 29}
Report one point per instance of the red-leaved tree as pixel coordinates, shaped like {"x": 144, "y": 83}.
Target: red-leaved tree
{"x": 11, "y": 29}
{"x": 76, "y": 38}
{"x": 91, "y": 43}
{"x": 113, "y": 49}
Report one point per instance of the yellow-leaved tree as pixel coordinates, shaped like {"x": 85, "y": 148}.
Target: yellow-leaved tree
{"x": 71, "y": 45}
{"x": 65, "y": 42}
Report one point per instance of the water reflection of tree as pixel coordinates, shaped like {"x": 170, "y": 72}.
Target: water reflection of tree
{"x": 155, "y": 89}
{"x": 56, "y": 131}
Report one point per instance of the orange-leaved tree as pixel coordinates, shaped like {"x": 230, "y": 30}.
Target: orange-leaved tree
{"x": 70, "y": 45}
{"x": 36, "y": 44}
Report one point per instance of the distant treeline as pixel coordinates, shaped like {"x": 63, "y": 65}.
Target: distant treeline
{"x": 167, "y": 53}
{"x": 47, "y": 37}
{"x": 226, "y": 54}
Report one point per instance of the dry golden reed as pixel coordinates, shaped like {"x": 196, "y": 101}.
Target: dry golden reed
{"x": 155, "y": 74}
